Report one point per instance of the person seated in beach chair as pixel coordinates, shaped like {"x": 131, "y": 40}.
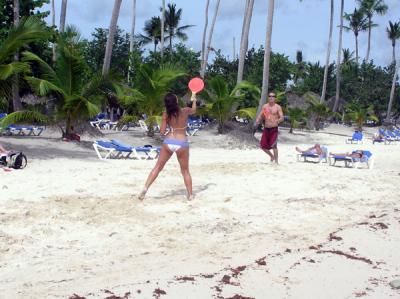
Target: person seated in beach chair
{"x": 317, "y": 152}
{"x": 378, "y": 137}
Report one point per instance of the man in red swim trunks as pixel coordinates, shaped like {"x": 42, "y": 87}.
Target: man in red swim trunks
{"x": 272, "y": 115}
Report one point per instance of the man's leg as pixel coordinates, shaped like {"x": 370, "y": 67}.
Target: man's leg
{"x": 271, "y": 155}
{"x": 275, "y": 150}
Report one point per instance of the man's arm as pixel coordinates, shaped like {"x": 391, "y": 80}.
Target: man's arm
{"x": 259, "y": 117}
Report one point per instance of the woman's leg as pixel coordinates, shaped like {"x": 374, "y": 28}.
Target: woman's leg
{"x": 183, "y": 159}
{"x": 162, "y": 159}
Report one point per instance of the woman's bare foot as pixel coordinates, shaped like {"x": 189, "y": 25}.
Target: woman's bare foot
{"x": 190, "y": 197}
{"x": 142, "y": 194}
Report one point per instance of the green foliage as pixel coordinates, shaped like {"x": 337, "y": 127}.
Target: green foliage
{"x": 148, "y": 93}
{"x": 313, "y": 80}
{"x": 296, "y": 117}
{"x": 222, "y": 100}
{"x": 281, "y": 69}
{"x": 359, "y": 114}
{"x": 75, "y": 95}
{"x": 27, "y": 116}
{"x": 318, "y": 110}
{"x": 173, "y": 18}
{"x": 26, "y": 8}
{"x": 28, "y": 30}
{"x": 94, "y": 51}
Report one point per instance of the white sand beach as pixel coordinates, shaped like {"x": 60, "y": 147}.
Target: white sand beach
{"x": 71, "y": 226}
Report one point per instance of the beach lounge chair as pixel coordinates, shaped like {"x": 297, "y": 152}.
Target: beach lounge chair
{"x": 367, "y": 159}
{"x": 388, "y": 138}
{"x": 311, "y": 157}
{"x": 24, "y": 130}
{"x": 106, "y": 149}
{"x": 147, "y": 152}
{"x": 356, "y": 138}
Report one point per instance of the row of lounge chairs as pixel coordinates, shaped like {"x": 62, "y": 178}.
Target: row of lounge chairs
{"x": 367, "y": 159}
{"x": 388, "y": 136}
{"x": 106, "y": 149}
{"x": 21, "y": 130}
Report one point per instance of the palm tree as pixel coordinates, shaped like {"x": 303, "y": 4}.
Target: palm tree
{"x": 132, "y": 36}
{"x": 300, "y": 67}
{"x": 110, "y": 39}
{"x": 357, "y": 23}
{"x": 396, "y": 71}
{"x": 203, "y": 43}
{"x": 148, "y": 94}
{"x": 317, "y": 109}
{"x": 27, "y": 31}
{"x": 339, "y": 59}
{"x": 221, "y": 100}
{"x": 296, "y": 116}
{"x": 393, "y": 32}
{"x": 152, "y": 30}
{"x": 207, "y": 50}
{"x": 172, "y": 19}
{"x": 328, "y": 54}
{"x": 75, "y": 96}
{"x": 369, "y": 8}
{"x": 244, "y": 42}
{"x": 348, "y": 57}
{"x": 359, "y": 114}
{"x": 17, "y": 105}
{"x": 63, "y": 15}
{"x": 162, "y": 28}
{"x": 53, "y": 24}
{"x": 267, "y": 54}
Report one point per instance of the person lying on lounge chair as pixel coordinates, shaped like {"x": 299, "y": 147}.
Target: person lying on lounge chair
{"x": 314, "y": 150}
{"x": 355, "y": 154}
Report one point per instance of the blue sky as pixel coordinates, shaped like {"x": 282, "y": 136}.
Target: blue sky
{"x": 297, "y": 25}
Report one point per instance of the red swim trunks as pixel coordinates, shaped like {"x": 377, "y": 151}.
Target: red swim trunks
{"x": 269, "y": 138}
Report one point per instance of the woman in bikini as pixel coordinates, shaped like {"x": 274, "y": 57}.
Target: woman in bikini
{"x": 175, "y": 141}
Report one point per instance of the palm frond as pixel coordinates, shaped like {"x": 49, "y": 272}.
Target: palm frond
{"x": 250, "y": 113}
{"x": 7, "y": 70}
{"x": 25, "y": 116}
{"x": 46, "y": 70}
{"x": 28, "y": 30}
{"x": 43, "y": 87}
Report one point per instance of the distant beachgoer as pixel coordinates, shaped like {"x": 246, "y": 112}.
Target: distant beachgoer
{"x": 314, "y": 150}
{"x": 175, "y": 142}
{"x": 272, "y": 115}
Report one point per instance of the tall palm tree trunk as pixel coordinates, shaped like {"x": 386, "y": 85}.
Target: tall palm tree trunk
{"x": 267, "y": 54}
{"x": 369, "y": 38}
{"x": 339, "y": 58}
{"x": 111, "y": 34}
{"x": 132, "y": 36}
{"x": 207, "y": 50}
{"x": 244, "y": 42}
{"x": 328, "y": 54}
{"x": 389, "y": 110}
{"x": 53, "y": 23}
{"x": 394, "y": 51}
{"x": 63, "y": 15}
{"x": 356, "y": 36}
{"x": 203, "y": 43}
{"x": 162, "y": 30}
{"x": 17, "y": 105}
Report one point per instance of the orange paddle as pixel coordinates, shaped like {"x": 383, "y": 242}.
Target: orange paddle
{"x": 196, "y": 85}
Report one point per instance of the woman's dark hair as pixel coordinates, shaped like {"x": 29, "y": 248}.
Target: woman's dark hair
{"x": 171, "y": 105}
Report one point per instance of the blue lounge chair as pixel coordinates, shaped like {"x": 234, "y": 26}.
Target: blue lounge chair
{"x": 388, "y": 138}
{"x": 24, "y": 130}
{"x": 140, "y": 152}
{"x": 310, "y": 157}
{"x": 356, "y": 138}
{"x": 116, "y": 149}
{"x": 367, "y": 159}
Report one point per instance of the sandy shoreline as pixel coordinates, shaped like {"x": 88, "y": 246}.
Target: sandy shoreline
{"x": 69, "y": 224}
